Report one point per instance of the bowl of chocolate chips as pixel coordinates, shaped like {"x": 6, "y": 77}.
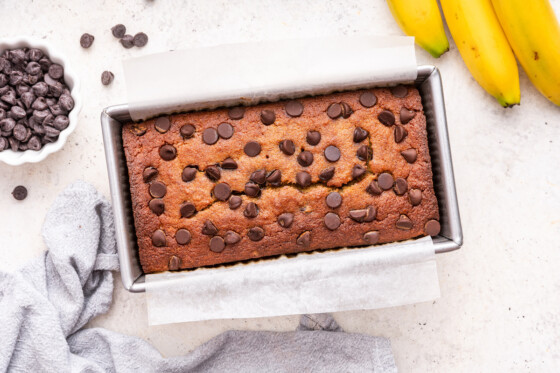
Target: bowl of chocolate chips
{"x": 39, "y": 101}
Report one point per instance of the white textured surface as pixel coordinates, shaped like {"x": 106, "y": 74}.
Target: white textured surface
{"x": 500, "y": 304}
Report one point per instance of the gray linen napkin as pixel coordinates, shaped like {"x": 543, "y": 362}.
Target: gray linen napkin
{"x": 44, "y": 306}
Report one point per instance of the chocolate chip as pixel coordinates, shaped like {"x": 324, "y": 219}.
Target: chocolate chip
{"x": 107, "y": 77}
{"x": 225, "y": 130}
{"x": 357, "y": 171}
{"x": 400, "y": 186}
{"x": 287, "y": 147}
{"x": 138, "y": 129}
{"x": 334, "y": 111}
{"x": 236, "y": 113}
{"x": 294, "y": 108}
{"x": 209, "y": 229}
{"x": 268, "y": 117}
{"x": 217, "y": 244}
{"x": 406, "y": 115}
{"x": 39, "y": 103}
{"x": 285, "y": 220}
{"x": 229, "y": 164}
{"x": 17, "y": 113}
{"x": 140, "y": 40}
{"x": 258, "y": 177}
{"x": 234, "y": 202}
{"x": 332, "y": 153}
{"x": 56, "y": 71}
{"x": 326, "y": 174}
{"x": 404, "y": 223}
{"x": 360, "y": 134}
{"x": 157, "y": 206}
{"x": 158, "y": 189}
{"x": 256, "y": 234}
{"x": 187, "y": 131}
{"x": 409, "y": 155}
{"x": 368, "y": 99}
{"x": 252, "y": 148}
{"x": 231, "y": 238}
{"x": 162, "y": 124}
{"x": 127, "y": 41}
{"x": 374, "y": 189}
{"x": 303, "y": 179}
{"x": 34, "y": 143}
{"x": 415, "y": 196}
{"x": 34, "y": 54}
{"x": 358, "y": 215}
{"x": 274, "y": 178}
{"x": 305, "y": 158}
{"x": 386, "y": 117}
{"x": 385, "y": 181}
{"x": 213, "y": 173}
{"x": 251, "y": 210}
{"x": 189, "y": 173}
{"x": 333, "y": 200}
{"x": 399, "y": 91}
{"x": 86, "y": 40}
{"x": 332, "y": 221}
{"x": 33, "y": 68}
{"x": 19, "y": 193}
{"x": 222, "y": 191}
{"x": 313, "y": 137}
{"x": 66, "y": 102}
{"x": 252, "y": 190}
{"x": 210, "y": 136}
{"x": 371, "y": 237}
{"x": 167, "y": 152}
{"x": 187, "y": 210}
{"x": 158, "y": 238}
{"x": 346, "y": 110}
{"x": 432, "y": 228}
{"x": 174, "y": 263}
{"x": 400, "y": 134}
{"x": 371, "y": 213}
{"x": 118, "y": 31}
{"x": 304, "y": 239}
{"x": 149, "y": 174}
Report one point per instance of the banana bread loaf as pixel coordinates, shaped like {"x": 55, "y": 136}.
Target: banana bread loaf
{"x": 345, "y": 169}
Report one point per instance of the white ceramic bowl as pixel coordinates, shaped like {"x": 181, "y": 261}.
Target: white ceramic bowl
{"x": 31, "y": 156}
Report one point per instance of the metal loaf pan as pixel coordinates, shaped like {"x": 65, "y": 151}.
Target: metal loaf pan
{"x": 431, "y": 91}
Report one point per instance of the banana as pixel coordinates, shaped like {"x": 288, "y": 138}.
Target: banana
{"x": 484, "y": 47}
{"x": 534, "y": 35}
{"x": 421, "y": 19}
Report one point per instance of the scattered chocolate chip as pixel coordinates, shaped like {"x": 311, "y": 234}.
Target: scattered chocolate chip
{"x": 86, "y": 40}
{"x": 187, "y": 131}
{"x": 158, "y": 189}
{"x": 217, "y": 244}
{"x": 140, "y": 40}
{"x": 364, "y": 153}
{"x": 268, "y": 117}
{"x": 304, "y": 239}
{"x": 358, "y": 215}
{"x": 213, "y": 173}
{"x": 346, "y": 110}
{"x": 229, "y": 164}
{"x": 56, "y": 71}
{"x": 274, "y": 178}
{"x": 252, "y": 148}
{"x": 326, "y": 174}
{"x": 236, "y": 113}
{"x": 400, "y": 186}
{"x": 371, "y": 213}
{"x": 162, "y": 124}
{"x": 225, "y": 130}
{"x": 386, "y": 117}
{"x": 209, "y": 229}
{"x": 258, "y": 177}
{"x": 368, "y": 99}
{"x": 285, "y": 220}
{"x": 256, "y": 234}
{"x": 287, "y": 147}
{"x": 222, "y": 191}
{"x": 415, "y": 196}
{"x": 371, "y": 237}
{"x": 157, "y": 206}
{"x": 189, "y": 173}
{"x": 210, "y": 136}
{"x": 303, "y": 179}
{"x": 149, "y": 174}
{"x": 305, "y": 158}
{"x": 406, "y": 115}
{"x": 174, "y": 263}
{"x": 399, "y": 91}
{"x": 138, "y": 129}
{"x": 432, "y": 228}
{"x": 187, "y": 210}
{"x": 332, "y": 221}
{"x": 251, "y": 210}
{"x": 409, "y": 155}
{"x": 313, "y": 137}
{"x": 400, "y": 134}
{"x": 231, "y": 238}
{"x": 357, "y": 171}
{"x": 252, "y": 190}
{"x": 167, "y": 152}
{"x": 234, "y": 202}
{"x": 19, "y": 193}
{"x": 332, "y": 153}
{"x": 334, "y": 111}
{"x": 404, "y": 223}
{"x": 118, "y": 31}
{"x": 127, "y": 41}
{"x": 294, "y": 108}
{"x": 158, "y": 238}
{"x": 385, "y": 181}
{"x": 374, "y": 189}
{"x": 333, "y": 200}
{"x": 360, "y": 134}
